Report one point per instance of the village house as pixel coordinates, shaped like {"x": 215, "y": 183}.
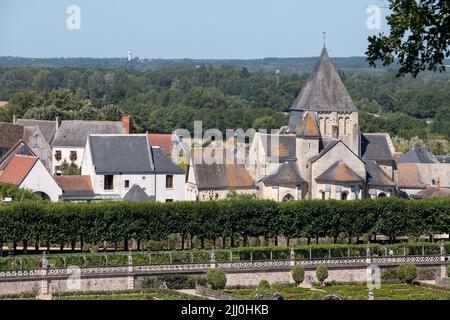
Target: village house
{"x": 32, "y": 136}
{"x": 22, "y": 168}
{"x": 67, "y": 138}
{"x": 117, "y": 163}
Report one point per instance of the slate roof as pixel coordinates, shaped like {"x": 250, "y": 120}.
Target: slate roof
{"x": 46, "y": 127}
{"x": 339, "y": 172}
{"x": 223, "y": 176}
{"x": 308, "y": 127}
{"x": 137, "y": 194}
{"x": 164, "y": 141}
{"x": 17, "y": 169}
{"x": 164, "y": 164}
{"x": 121, "y": 154}
{"x": 324, "y": 90}
{"x": 10, "y": 134}
{"x": 329, "y": 145}
{"x": 20, "y": 148}
{"x": 375, "y": 146}
{"x": 74, "y": 133}
{"x": 286, "y": 175}
{"x": 432, "y": 193}
{"x": 418, "y": 155}
{"x": 443, "y": 159}
{"x": 75, "y": 185}
{"x": 376, "y": 176}
{"x": 408, "y": 176}
{"x": 286, "y": 150}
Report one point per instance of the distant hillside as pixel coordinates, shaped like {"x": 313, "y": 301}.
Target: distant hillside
{"x": 289, "y": 65}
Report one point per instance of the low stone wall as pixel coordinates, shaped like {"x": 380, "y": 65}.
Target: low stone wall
{"x": 253, "y": 278}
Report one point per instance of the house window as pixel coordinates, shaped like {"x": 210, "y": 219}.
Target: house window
{"x": 108, "y": 182}
{"x": 73, "y": 156}
{"x": 127, "y": 184}
{"x": 169, "y": 181}
{"x": 169, "y": 200}
{"x": 344, "y": 196}
{"x": 58, "y": 155}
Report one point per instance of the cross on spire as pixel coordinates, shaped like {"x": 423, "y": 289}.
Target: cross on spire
{"x": 324, "y": 39}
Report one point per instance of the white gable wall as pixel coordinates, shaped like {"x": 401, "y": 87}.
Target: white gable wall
{"x": 40, "y": 180}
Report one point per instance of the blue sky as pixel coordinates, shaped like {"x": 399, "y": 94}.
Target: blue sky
{"x": 186, "y": 28}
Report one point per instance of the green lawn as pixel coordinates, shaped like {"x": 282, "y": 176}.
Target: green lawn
{"x": 355, "y": 292}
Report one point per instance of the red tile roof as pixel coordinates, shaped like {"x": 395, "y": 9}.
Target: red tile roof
{"x": 164, "y": 141}
{"x": 17, "y": 169}
{"x": 75, "y": 184}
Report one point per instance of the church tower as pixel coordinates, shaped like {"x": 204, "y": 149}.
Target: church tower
{"x": 325, "y": 96}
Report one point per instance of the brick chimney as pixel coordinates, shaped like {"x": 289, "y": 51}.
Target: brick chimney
{"x": 127, "y": 125}
{"x": 14, "y": 119}
{"x": 57, "y": 122}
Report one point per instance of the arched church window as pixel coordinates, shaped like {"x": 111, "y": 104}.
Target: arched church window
{"x": 347, "y": 125}
{"x": 326, "y": 126}
{"x": 288, "y": 197}
{"x": 322, "y": 194}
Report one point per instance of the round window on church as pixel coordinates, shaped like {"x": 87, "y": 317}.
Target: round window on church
{"x": 288, "y": 197}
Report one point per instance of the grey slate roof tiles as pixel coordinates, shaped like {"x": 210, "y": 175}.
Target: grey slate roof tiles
{"x": 74, "y": 133}
{"x": 376, "y": 147}
{"x": 324, "y": 90}
{"x": 418, "y": 155}
{"x": 47, "y": 127}
{"x": 117, "y": 154}
{"x": 286, "y": 175}
{"x": 164, "y": 164}
{"x": 376, "y": 176}
{"x": 137, "y": 194}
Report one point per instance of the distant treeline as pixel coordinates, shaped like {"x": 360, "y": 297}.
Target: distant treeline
{"x": 223, "y": 98}
{"x": 289, "y": 65}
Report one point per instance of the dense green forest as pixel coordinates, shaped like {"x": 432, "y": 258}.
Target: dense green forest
{"x": 165, "y": 99}
{"x": 288, "y": 65}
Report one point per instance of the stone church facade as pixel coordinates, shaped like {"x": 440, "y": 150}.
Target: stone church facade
{"x": 322, "y": 154}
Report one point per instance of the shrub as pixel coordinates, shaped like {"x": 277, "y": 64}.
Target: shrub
{"x": 407, "y": 273}
{"x": 174, "y": 282}
{"x": 389, "y": 274}
{"x": 264, "y": 287}
{"x": 217, "y": 279}
{"x": 298, "y": 274}
{"x": 321, "y": 273}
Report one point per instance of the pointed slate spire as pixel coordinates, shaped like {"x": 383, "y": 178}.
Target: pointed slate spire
{"x": 324, "y": 90}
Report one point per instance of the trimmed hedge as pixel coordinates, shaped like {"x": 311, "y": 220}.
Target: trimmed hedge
{"x": 118, "y": 221}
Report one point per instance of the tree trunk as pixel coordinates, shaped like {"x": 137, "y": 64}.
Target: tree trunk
{"x": 202, "y": 243}
{"x": 139, "y": 244}
{"x": 276, "y": 241}
{"x": 25, "y": 247}
{"x": 36, "y": 245}
{"x": 125, "y": 244}
{"x": 182, "y": 242}
{"x": 224, "y": 242}
{"x": 192, "y": 242}
{"x": 232, "y": 241}
{"x": 349, "y": 239}
{"x": 335, "y": 238}
{"x": 317, "y": 239}
{"x": 72, "y": 246}
{"x": 309, "y": 240}
{"x": 288, "y": 241}
{"x": 48, "y": 246}
{"x": 1, "y": 248}
{"x": 115, "y": 245}
{"x": 15, "y": 248}
{"x": 81, "y": 243}
{"x": 61, "y": 247}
